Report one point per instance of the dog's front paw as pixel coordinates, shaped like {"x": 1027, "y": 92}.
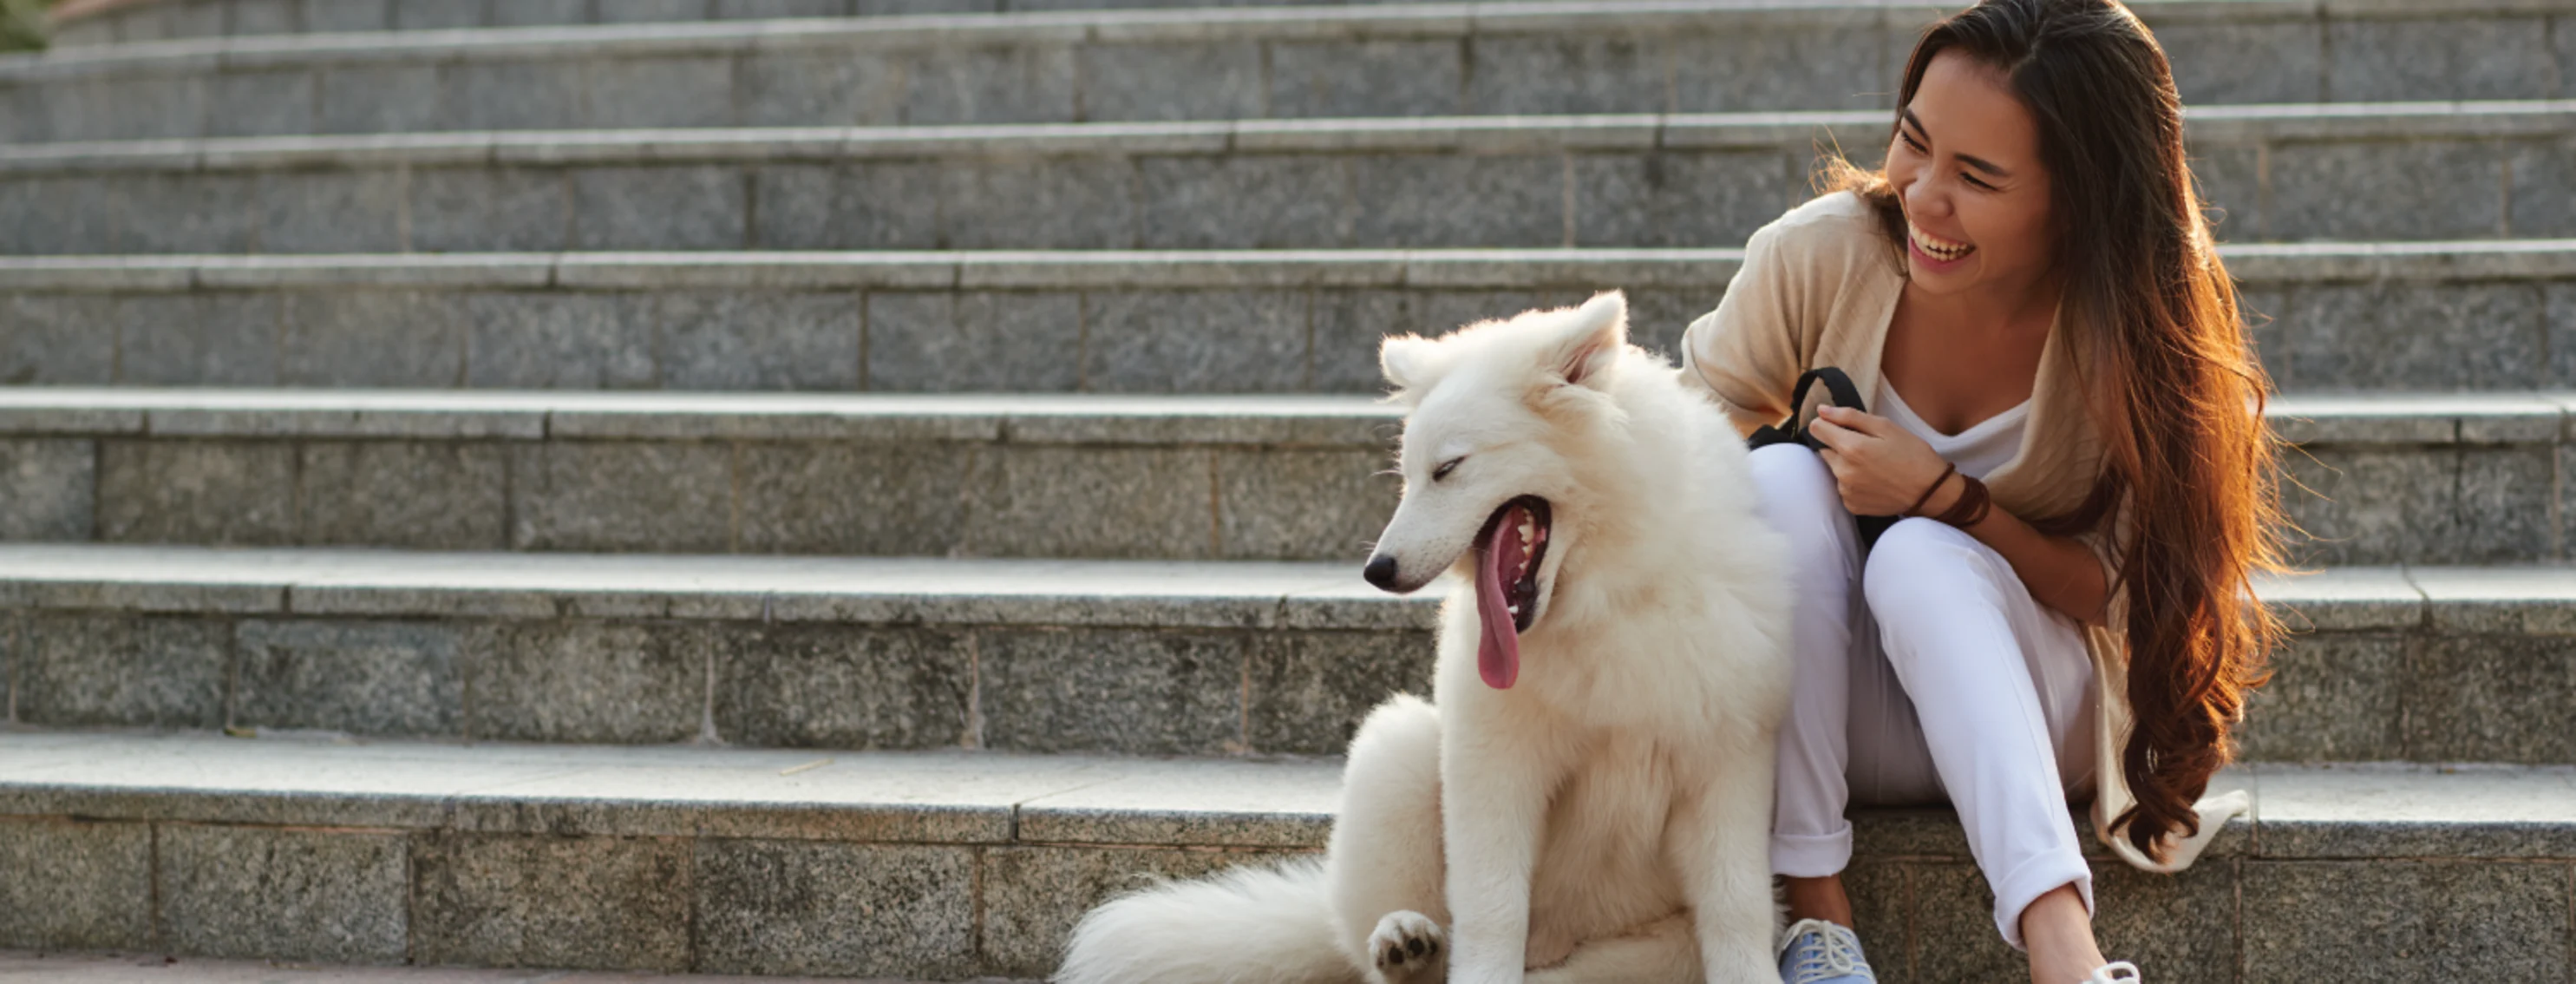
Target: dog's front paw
{"x": 1406, "y": 942}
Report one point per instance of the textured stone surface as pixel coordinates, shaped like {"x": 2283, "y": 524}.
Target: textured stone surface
{"x": 663, "y": 92}
{"x": 1195, "y": 80}
{"x": 856, "y": 499}
{"x": 2355, "y": 191}
{"x": 73, "y": 884}
{"x": 2469, "y": 697}
{"x": 2424, "y": 921}
{"x": 561, "y": 341}
{"x": 90, "y": 671}
{"x": 1309, "y": 691}
{"x": 993, "y": 341}
{"x": 2361, "y": 505}
{"x": 55, "y": 339}
{"x": 47, "y": 489}
{"x": 213, "y": 492}
{"x": 2373, "y": 336}
{"x": 1162, "y": 693}
{"x": 1682, "y": 199}
{"x": 1244, "y": 201}
{"x": 586, "y": 902}
{"x": 785, "y": 907}
{"x": 402, "y": 338}
{"x": 477, "y": 209}
{"x": 199, "y": 339}
{"x": 2542, "y": 171}
{"x": 993, "y": 85}
{"x": 507, "y": 95}
{"x": 422, "y": 495}
{"x": 1066, "y": 203}
{"x": 870, "y": 205}
{"x": 841, "y": 687}
{"x": 607, "y": 496}
{"x": 1227, "y": 342}
{"x": 2246, "y": 61}
{"x": 584, "y": 681}
{"x": 2182, "y": 926}
{"x": 760, "y": 341}
{"x": 1346, "y": 496}
{"x": 335, "y": 896}
{"x": 828, "y": 89}
{"x": 1366, "y": 77}
{"x": 2338, "y": 697}
{"x": 369, "y": 678}
{"x": 378, "y": 99}
{"x": 2386, "y": 59}
{"x": 260, "y": 104}
{"x": 658, "y": 208}
{"x": 347, "y": 212}
{"x": 1094, "y": 502}
{"x": 1033, "y": 896}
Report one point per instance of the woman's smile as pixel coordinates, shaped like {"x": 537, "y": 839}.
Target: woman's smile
{"x": 1932, "y": 253}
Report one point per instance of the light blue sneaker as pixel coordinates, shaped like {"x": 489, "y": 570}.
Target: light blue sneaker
{"x": 1814, "y": 951}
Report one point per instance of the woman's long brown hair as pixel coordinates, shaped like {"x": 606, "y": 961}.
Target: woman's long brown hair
{"x": 2178, "y": 394}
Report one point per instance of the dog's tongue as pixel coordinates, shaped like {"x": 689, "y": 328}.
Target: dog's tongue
{"x": 1498, "y": 656}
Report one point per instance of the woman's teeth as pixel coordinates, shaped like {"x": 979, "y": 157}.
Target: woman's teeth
{"x": 1939, "y": 249}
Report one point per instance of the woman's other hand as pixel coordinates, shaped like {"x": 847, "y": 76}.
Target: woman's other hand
{"x": 1879, "y": 467}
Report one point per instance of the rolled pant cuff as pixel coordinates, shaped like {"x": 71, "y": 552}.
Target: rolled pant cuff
{"x": 2025, "y": 884}
{"x": 1811, "y": 855}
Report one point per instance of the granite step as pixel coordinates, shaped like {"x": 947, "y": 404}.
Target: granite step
{"x": 170, "y": 20}
{"x": 2422, "y": 664}
{"x": 2352, "y": 172}
{"x": 2471, "y": 478}
{"x": 944, "y": 866}
{"x": 1296, "y": 61}
{"x": 111, "y": 967}
{"x": 2393, "y": 316}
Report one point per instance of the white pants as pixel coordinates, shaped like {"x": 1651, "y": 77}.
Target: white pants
{"x": 1939, "y": 678}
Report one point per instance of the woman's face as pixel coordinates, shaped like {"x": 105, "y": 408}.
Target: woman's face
{"x": 1965, "y": 164}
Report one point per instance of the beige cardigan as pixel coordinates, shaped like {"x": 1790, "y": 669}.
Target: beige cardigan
{"x": 1817, "y": 288}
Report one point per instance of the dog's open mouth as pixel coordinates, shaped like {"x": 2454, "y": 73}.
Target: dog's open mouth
{"x": 1508, "y": 552}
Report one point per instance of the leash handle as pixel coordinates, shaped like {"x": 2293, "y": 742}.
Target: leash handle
{"x": 1838, "y": 390}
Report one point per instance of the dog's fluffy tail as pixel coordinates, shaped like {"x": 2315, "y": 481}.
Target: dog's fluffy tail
{"x": 1250, "y": 925}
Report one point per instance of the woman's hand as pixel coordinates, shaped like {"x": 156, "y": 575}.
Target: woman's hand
{"x": 1879, "y": 467}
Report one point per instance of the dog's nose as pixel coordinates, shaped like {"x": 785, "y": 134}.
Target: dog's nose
{"x": 1380, "y": 571}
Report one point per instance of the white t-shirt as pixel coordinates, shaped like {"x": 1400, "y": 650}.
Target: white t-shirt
{"x": 1979, "y": 449}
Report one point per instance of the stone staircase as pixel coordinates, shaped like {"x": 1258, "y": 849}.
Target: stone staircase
{"x": 843, "y": 495}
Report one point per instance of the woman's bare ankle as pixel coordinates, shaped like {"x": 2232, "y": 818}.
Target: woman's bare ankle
{"x": 2059, "y": 934}
{"x": 1818, "y": 898}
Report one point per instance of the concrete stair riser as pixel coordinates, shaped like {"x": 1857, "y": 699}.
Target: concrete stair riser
{"x": 507, "y": 856}
{"x": 2428, "y": 664}
{"x": 2386, "y": 317}
{"x": 1359, "y": 60}
{"x": 192, "y": 19}
{"x": 2382, "y": 172}
{"x": 2466, "y": 479}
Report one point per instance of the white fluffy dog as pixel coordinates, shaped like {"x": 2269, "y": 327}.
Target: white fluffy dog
{"x": 1591, "y": 799}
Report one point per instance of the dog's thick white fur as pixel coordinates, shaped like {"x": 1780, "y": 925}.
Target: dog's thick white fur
{"x": 1604, "y": 817}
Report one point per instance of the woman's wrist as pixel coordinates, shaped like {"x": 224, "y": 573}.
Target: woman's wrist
{"x": 1943, "y": 494}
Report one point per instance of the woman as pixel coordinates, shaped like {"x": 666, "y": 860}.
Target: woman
{"x": 2062, "y": 398}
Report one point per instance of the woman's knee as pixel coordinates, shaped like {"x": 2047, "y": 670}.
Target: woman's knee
{"x": 1922, "y": 567}
{"x": 1800, "y": 498}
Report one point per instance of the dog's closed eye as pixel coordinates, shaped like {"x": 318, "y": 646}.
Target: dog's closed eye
{"x": 1442, "y": 470}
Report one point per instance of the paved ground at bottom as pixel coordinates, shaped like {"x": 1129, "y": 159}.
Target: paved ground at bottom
{"x": 117, "y": 968}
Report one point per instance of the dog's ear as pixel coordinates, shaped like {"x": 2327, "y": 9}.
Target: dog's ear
{"x": 1407, "y": 361}
{"x": 1588, "y": 343}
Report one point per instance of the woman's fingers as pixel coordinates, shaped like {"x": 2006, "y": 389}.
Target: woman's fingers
{"x": 1854, "y": 420}
{"x": 1829, "y": 432}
